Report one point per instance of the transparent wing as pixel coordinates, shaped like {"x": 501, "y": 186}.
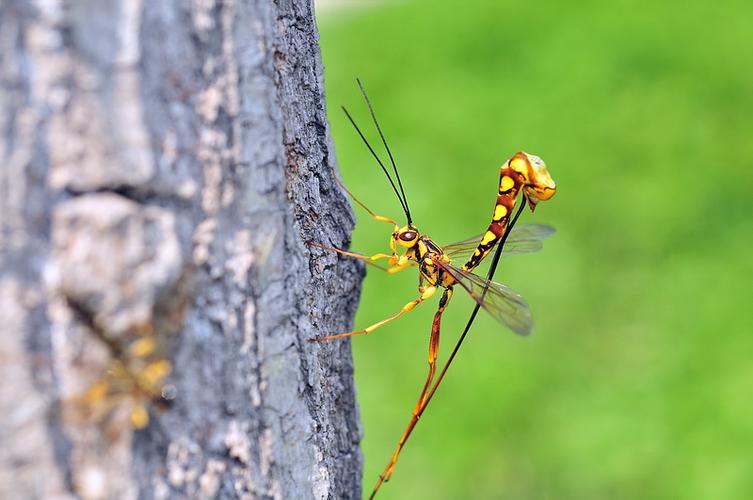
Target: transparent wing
{"x": 529, "y": 232}
{"x": 524, "y": 238}
{"x": 502, "y": 302}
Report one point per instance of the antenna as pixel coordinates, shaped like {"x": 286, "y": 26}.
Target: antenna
{"x": 389, "y": 153}
{"x": 384, "y": 169}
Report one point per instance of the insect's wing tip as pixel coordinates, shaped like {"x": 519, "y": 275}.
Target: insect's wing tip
{"x": 525, "y": 327}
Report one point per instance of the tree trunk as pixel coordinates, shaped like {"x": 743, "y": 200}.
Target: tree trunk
{"x": 164, "y": 164}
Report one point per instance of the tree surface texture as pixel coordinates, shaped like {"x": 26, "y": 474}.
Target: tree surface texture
{"x": 163, "y": 166}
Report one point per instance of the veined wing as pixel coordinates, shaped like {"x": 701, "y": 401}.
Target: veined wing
{"x": 524, "y": 238}
{"x": 502, "y": 302}
{"x": 529, "y": 232}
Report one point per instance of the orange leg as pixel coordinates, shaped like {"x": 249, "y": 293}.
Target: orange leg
{"x": 375, "y": 216}
{"x": 427, "y": 293}
{"x": 361, "y": 256}
{"x": 421, "y": 404}
{"x": 395, "y": 264}
{"x": 434, "y": 346}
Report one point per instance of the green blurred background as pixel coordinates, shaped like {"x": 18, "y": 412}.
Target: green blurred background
{"x": 638, "y": 380}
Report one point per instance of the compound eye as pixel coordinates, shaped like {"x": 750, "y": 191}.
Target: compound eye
{"x": 408, "y": 236}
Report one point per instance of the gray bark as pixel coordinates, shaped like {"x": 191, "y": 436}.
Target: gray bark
{"x": 163, "y": 164}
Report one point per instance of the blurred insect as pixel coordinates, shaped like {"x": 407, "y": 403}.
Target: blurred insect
{"x": 134, "y": 379}
{"x": 522, "y": 174}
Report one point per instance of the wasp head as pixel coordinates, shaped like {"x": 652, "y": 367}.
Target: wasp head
{"x": 406, "y": 236}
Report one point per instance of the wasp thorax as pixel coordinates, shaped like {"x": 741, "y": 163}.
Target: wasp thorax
{"x": 406, "y": 236}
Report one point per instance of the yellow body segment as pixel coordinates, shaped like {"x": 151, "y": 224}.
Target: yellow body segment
{"x": 506, "y": 184}
{"x": 519, "y": 163}
{"x": 488, "y": 237}
{"x": 499, "y": 212}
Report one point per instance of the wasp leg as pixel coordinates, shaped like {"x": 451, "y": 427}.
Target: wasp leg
{"x": 434, "y": 346}
{"x": 361, "y": 256}
{"x": 421, "y": 404}
{"x": 400, "y": 267}
{"x": 395, "y": 265}
{"x": 363, "y": 205}
{"x": 428, "y": 292}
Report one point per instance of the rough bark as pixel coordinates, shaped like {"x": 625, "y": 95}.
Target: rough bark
{"x": 163, "y": 165}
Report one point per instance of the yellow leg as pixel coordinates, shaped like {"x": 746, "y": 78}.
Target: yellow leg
{"x": 395, "y": 261}
{"x": 400, "y": 267}
{"x": 366, "y": 258}
{"x": 375, "y": 216}
{"x": 357, "y": 255}
{"x": 428, "y": 292}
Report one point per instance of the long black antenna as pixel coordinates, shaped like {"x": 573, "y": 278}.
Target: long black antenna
{"x": 389, "y": 153}
{"x": 384, "y": 169}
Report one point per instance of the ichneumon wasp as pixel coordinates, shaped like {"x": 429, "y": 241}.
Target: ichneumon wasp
{"x": 523, "y": 174}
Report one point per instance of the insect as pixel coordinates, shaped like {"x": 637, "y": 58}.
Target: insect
{"x": 522, "y": 175}
{"x": 135, "y": 376}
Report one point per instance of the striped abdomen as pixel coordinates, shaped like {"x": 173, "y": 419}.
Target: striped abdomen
{"x": 510, "y": 183}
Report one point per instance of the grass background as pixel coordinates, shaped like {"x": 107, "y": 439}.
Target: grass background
{"x": 638, "y": 380}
